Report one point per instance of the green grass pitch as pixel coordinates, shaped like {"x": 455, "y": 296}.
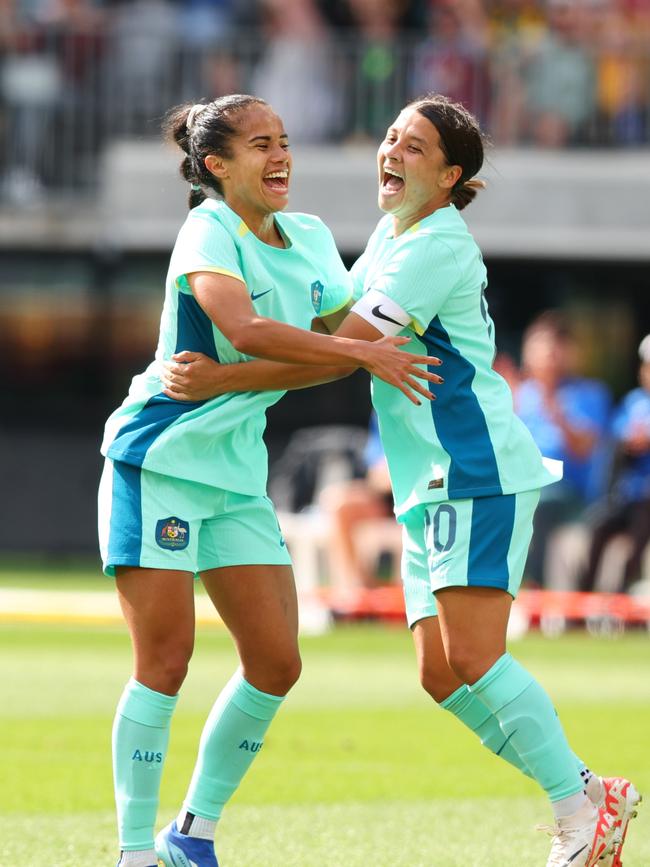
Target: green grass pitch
{"x": 358, "y": 769}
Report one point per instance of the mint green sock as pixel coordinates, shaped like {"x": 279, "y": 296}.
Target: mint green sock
{"x": 140, "y": 738}
{"x": 529, "y": 723}
{"x": 233, "y": 735}
{"x": 471, "y": 711}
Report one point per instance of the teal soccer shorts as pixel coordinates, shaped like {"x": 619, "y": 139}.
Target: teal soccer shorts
{"x": 481, "y": 542}
{"x": 159, "y": 522}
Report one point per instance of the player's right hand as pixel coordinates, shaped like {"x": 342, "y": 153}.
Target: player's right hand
{"x": 192, "y": 376}
{"x": 402, "y": 369}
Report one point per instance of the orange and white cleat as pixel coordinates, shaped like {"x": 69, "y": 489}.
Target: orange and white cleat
{"x": 583, "y": 839}
{"x": 621, "y": 802}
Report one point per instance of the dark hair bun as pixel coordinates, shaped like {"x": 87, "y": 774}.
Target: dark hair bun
{"x": 466, "y": 192}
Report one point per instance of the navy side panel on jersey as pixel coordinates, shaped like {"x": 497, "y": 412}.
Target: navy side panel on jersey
{"x": 459, "y": 419}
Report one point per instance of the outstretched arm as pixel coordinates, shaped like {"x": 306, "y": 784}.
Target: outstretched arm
{"x": 226, "y": 302}
{"x": 192, "y": 376}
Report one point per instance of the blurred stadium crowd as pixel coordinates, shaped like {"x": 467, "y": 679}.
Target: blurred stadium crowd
{"x": 549, "y": 73}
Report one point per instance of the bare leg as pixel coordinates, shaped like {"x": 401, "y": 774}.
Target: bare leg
{"x": 158, "y": 606}
{"x": 473, "y": 623}
{"x": 446, "y": 688}
{"x": 436, "y": 677}
{"x": 258, "y": 604}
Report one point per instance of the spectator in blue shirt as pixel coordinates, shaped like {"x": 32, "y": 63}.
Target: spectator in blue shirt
{"x": 628, "y": 507}
{"x": 567, "y": 416}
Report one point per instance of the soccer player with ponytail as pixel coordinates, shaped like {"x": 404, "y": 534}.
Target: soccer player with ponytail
{"x": 465, "y": 471}
{"x": 184, "y": 485}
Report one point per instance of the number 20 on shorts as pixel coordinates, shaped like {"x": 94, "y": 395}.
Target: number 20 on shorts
{"x": 444, "y": 527}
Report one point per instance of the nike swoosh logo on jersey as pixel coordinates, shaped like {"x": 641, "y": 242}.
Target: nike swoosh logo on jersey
{"x": 376, "y": 311}
{"x": 254, "y": 296}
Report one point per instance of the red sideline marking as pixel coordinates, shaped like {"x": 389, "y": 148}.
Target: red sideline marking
{"x": 388, "y": 603}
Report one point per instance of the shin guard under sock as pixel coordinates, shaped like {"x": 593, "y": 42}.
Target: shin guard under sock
{"x": 140, "y": 738}
{"x": 528, "y": 719}
{"x": 233, "y": 735}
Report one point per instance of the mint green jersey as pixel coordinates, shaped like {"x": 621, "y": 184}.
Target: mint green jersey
{"x": 219, "y": 441}
{"x": 429, "y": 284}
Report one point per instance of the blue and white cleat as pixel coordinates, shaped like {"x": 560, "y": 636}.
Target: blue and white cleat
{"x": 178, "y": 850}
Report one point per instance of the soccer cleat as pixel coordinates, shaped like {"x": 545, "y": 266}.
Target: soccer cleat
{"x": 582, "y": 839}
{"x": 178, "y": 850}
{"x": 621, "y": 801}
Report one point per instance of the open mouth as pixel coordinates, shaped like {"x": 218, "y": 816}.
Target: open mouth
{"x": 391, "y": 181}
{"x": 277, "y": 182}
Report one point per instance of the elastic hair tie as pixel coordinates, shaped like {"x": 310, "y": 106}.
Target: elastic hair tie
{"x": 195, "y": 187}
{"x": 194, "y": 112}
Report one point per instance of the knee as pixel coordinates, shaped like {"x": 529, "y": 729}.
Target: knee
{"x": 438, "y": 683}
{"x": 467, "y": 665}
{"x": 277, "y": 674}
{"x": 175, "y": 671}
{"x": 287, "y": 671}
{"x": 166, "y": 667}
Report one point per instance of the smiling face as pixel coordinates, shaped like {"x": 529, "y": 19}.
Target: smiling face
{"x": 414, "y": 177}
{"x": 255, "y": 177}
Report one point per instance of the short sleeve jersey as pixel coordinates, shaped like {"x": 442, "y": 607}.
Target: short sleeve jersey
{"x": 219, "y": 441}
{"x": 468, "y": 442}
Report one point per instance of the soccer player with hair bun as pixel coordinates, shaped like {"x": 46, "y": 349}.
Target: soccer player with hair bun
{"x": 466, "y": 473}
{"x": 184, "y": 485}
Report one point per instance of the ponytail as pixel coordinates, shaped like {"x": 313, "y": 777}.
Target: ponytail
{"x": 465, "y": 192}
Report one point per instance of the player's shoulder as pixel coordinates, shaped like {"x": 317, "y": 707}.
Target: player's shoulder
{"x": 208, "y": 224}
{"x": 297, "y": 221}
{"x": 213, "y": 211}
{"x": 431, "y": 241}
{"x": 446, "y": 228}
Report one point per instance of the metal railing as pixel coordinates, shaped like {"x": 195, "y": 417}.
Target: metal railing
{"x": 64, "y": 97}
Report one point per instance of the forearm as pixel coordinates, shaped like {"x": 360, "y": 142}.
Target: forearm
{"x": 276, "y": 376}
{"x": 275, "y": 341}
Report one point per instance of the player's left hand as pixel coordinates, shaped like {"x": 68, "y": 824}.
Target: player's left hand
{"x": 193, "y": 376}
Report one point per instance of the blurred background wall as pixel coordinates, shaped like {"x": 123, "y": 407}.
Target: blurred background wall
{"x": 90, "y": 200}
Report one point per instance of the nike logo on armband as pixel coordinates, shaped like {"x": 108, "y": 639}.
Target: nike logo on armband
{"x": 376, "y": 311}
{"x": 255, "y": 296}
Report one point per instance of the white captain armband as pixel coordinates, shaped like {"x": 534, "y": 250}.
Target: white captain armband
{"x": 382, "y": 312}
